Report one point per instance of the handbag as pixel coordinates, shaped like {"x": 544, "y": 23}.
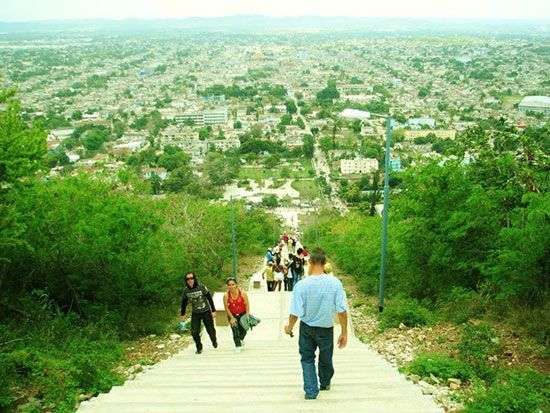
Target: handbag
{"x": 248, "y": 321}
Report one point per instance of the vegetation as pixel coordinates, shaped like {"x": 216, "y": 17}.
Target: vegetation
{"x": 309, "y": 190}
{"x": 468, "y": 241}
{"x": 107, "y": 265}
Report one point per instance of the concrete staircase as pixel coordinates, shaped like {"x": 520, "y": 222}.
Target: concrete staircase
{"x": 265, "y": 377}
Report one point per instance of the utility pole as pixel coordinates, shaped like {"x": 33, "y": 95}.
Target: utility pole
{"x": 382, "y": 281}
{"x": 233, "y": 241}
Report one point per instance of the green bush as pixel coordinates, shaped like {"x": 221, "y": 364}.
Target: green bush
{"x": 440, "y": 366}
{"x": 404, "y": 311}
{"x": 516, "y": 392}
{"x": 478, "y": 343}
{"x": 55, "y": 361}
{"x": 461, "y": 305}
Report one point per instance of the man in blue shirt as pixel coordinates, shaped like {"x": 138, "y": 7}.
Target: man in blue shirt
{"x": 315, "y": 300}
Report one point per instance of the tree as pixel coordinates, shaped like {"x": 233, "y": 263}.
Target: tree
{"x": 326, "y": 144}
{"x": 300, "y": 123}
{"x": 173, "y": 158}
{"x": 204, "y": 133}
{"x": 237, "y": 124}
{"x": 270, "y": 201}
{"x": 291, "y": 107}
{"x": 22, "y": 147}
{"x": 272, "y": 161}
{"x": 156, "y": 183}
{"x": 308, "y": 146}
{"x": 179, "y": 179}
{"x": 424, "y": 91}
{"x": 220, "y": 169}
{"x": 286, "y": 119}
{"x": 257, "y": 131}
{"x": 356, "y": 126}
{"x": 77, "y": 115}
{"x": 119, "y": 128}
{"x": 93, "y": 139}
{"x": 57, "y": 157}
{"x": 329, "y": 93}
{"x": 336, "y": 127}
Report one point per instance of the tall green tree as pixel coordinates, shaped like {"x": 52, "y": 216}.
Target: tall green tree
{"x": 22, "y": 147}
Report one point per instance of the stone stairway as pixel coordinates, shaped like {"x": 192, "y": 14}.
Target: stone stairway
{"x": 265, "y": 377}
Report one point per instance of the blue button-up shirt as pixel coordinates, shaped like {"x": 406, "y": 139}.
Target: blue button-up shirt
{"x": 317, "y": 298}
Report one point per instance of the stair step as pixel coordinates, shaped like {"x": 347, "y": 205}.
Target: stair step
{"x": 299, "y": 405}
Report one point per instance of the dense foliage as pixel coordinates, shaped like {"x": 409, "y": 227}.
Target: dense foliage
{"x": 85, "y": 262}
{"x": 469, "y": 240}
{"x": 480, "y": 222}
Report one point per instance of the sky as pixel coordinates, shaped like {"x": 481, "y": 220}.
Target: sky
{"x": 26, "y": 10}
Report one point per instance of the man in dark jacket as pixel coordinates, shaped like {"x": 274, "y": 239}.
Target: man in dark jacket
{"x": 202, "y": 308}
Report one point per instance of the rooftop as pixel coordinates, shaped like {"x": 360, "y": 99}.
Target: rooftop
{"x": 541, "y": 101}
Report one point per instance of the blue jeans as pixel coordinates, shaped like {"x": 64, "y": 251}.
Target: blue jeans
{"x": 310, "y": 339}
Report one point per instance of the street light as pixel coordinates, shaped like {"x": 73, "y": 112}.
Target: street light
{"x": 384, "y": 247}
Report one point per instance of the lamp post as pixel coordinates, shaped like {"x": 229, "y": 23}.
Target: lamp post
{"x": 385, "y": 212}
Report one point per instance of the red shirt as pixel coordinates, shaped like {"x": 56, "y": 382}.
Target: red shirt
{"x": 236, "y": 306}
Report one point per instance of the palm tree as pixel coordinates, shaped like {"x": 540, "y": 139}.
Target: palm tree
{"x": 336, "y": 127}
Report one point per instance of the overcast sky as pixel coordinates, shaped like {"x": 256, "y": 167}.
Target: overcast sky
{"x": 24, "y": 10}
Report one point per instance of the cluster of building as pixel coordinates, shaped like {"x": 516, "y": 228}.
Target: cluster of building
{"x": 437, "y": 86}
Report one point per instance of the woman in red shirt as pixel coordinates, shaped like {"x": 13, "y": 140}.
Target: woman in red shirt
{"x": 236, "y": 305}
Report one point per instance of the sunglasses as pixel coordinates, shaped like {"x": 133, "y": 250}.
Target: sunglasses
{"x": 188, "y": 278}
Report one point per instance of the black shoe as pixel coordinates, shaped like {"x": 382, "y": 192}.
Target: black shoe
{"x": 327, "y": 387}
{"x": 310, "y": 397}
{"x": 215, "y": 344}
{"x": 199, "y": 351}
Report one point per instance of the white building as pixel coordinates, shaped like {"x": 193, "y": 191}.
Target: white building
{"x": 355, "y": 114}
{"x": 208, "y": 117}
{"x": 358, "y": 166}
{"x": 418, "y": 123}
{"x": 129, "y": 147}
{"x": 540, "y": 104}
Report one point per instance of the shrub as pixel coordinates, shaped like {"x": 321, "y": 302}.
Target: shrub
{"x": 56, "y": 361}
{"x": 404, "y": 311}
{"x": 479, "y": 341}
{"x": 516, "y": 392}
{"x": 440, "y": 366}
{"x": 461, "y": 305}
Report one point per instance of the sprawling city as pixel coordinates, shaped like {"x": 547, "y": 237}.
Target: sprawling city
{"x": 412, "y": 153}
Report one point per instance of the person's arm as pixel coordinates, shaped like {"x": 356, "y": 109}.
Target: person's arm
{"x": 292, "y": 319}
{"x": 296, "y": 310}
{"x": 183, "y": 305}
{"x": 342, "y": 310}
{"x": 246, "y": 302}
{"x": 210, "y": 300}
{"x": 343, "y": 339}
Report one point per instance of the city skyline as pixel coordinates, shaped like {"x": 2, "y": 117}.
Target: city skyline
{"x": 19, "y": 11}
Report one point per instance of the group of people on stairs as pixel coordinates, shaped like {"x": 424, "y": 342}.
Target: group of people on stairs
{"x": 285, "y": 263}
{"x": 316, "y": 299}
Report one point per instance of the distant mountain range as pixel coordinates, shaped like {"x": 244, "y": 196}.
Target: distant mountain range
{"x": 252, "y": 23}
